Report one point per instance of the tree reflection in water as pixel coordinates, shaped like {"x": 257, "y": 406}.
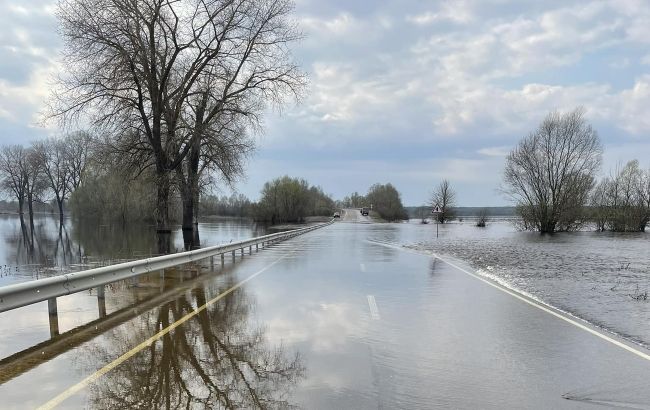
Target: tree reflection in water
{"x": 217, "y": 359}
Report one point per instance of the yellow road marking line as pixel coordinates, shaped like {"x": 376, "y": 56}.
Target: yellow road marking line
{"x": 531, "y": 302}
{"x": 99, "y": 373}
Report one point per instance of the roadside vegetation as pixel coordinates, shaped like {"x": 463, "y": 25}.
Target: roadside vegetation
{"x": 288, "y": 199}
{"x": 387, "y": 202}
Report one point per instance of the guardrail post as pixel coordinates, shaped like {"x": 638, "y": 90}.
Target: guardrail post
{"x": 223, "y": 257}
{"x": 257, "y": 247}
{"x": 162, "y": 280}
{"x": 250, "y": 250}
{"x": 233, "y": 256}
{"x": 242, "y": 251}
{"x": 212, "y": 262}
{"x": 54, "y": 317}
{"x": 101, "y": 301}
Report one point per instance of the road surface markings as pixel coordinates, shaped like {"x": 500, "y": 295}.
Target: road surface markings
{"x": 374, "y": 310}
{"x": 527, "y": 300}
{"x": 362, "y": 266}
{"x": 99, "y": 373}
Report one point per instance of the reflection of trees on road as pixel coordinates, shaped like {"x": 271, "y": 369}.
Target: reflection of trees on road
{"x": 214, "y": 360}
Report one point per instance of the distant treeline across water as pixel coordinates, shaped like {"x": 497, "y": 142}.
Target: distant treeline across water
{"x": 463, "y": 211}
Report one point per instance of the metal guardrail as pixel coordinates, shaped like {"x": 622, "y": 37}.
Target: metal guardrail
{"x": 27, "y": 293}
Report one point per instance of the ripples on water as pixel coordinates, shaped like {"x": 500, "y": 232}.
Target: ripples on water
{"x": 83, "y": 244}
{"x": 599, "y": 277}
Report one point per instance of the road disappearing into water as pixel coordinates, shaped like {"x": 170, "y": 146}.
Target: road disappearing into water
{"x": 341, "y": 317}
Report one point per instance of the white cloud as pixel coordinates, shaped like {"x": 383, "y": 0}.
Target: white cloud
{"x": 500, "y": 151}
{"x": 457, "y": 12}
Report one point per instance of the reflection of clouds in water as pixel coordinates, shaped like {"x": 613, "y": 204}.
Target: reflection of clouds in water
{"x": 326, "y": 325}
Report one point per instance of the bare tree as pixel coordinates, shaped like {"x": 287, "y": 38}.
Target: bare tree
{"x": 53, "y": 158}
{"x": 551, "y": 172}
{"x": 13, "y": 172}
{"x": 35, "y": 181}
{"x": 77, "y": 150}
{"x": 444, "y": 197}
{"x": 483, "y": 217}
{"x": 132, "y": 66}
{"x": 621, "y": 202}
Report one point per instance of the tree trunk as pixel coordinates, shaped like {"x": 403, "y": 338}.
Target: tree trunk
{"x": 186, "y": 199}
{"x": 60, "y": 203}
{"x": 195, "y": 200}
{"x": 191, "y": 239}
{"x": 162, "y": 204}
{"x": 188, "y": 181}
{"x": 30, "y": 208}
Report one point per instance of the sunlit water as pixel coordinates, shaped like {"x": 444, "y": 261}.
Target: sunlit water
{"x": 600, "y": 277}
{"x": 53, "y": 249}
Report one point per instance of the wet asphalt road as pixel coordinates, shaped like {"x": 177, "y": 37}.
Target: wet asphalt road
{"x": 337, "y": 318}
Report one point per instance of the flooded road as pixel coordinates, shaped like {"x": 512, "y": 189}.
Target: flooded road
{"x": 342, "y": 317}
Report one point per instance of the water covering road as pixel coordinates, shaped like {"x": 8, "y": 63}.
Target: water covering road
{"x": 331, "y": 319}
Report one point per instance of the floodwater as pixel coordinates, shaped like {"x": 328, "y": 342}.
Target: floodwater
{"x": 337, "y": 318}
{"x": 601, "y": 277}
{"x": 83, "y": 244}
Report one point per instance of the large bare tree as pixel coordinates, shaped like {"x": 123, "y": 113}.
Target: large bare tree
{"x": 133, "y": 66}
{"x": 551, "y": 172}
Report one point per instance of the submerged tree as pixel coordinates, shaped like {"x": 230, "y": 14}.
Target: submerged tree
{"x": 482, "y": 217}
{"x": 551, "y": 172}
{"x": 53, "y": 158}
{"x": 444, "y": 197}
{"x": 386, "y": 201}
{"x": 622, "y": 202}
{"x": 289, "y": 199}
{"x": 13, "y": 165}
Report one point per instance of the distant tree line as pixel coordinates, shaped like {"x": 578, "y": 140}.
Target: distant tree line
{"x": 236, "y": 205}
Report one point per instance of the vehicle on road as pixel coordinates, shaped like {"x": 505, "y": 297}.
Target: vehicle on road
{"x": 337, "y": 215}
{"x": 365, "y": 211}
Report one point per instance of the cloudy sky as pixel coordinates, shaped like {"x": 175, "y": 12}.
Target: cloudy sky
{"x": 410, "y": 91}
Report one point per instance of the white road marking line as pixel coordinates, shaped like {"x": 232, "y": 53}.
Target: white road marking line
{"x": 362, "y": 266}
{"x": 548, "y": 309}
{"x": 374, "y": 310}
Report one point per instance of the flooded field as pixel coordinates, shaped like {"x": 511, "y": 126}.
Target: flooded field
{"x": 77, "y": 245}
{"x": 603, "y": 278}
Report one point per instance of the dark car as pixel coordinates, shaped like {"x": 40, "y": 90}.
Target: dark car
{"x": 364, "y": 211}
{"x": 337, "y": 215}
